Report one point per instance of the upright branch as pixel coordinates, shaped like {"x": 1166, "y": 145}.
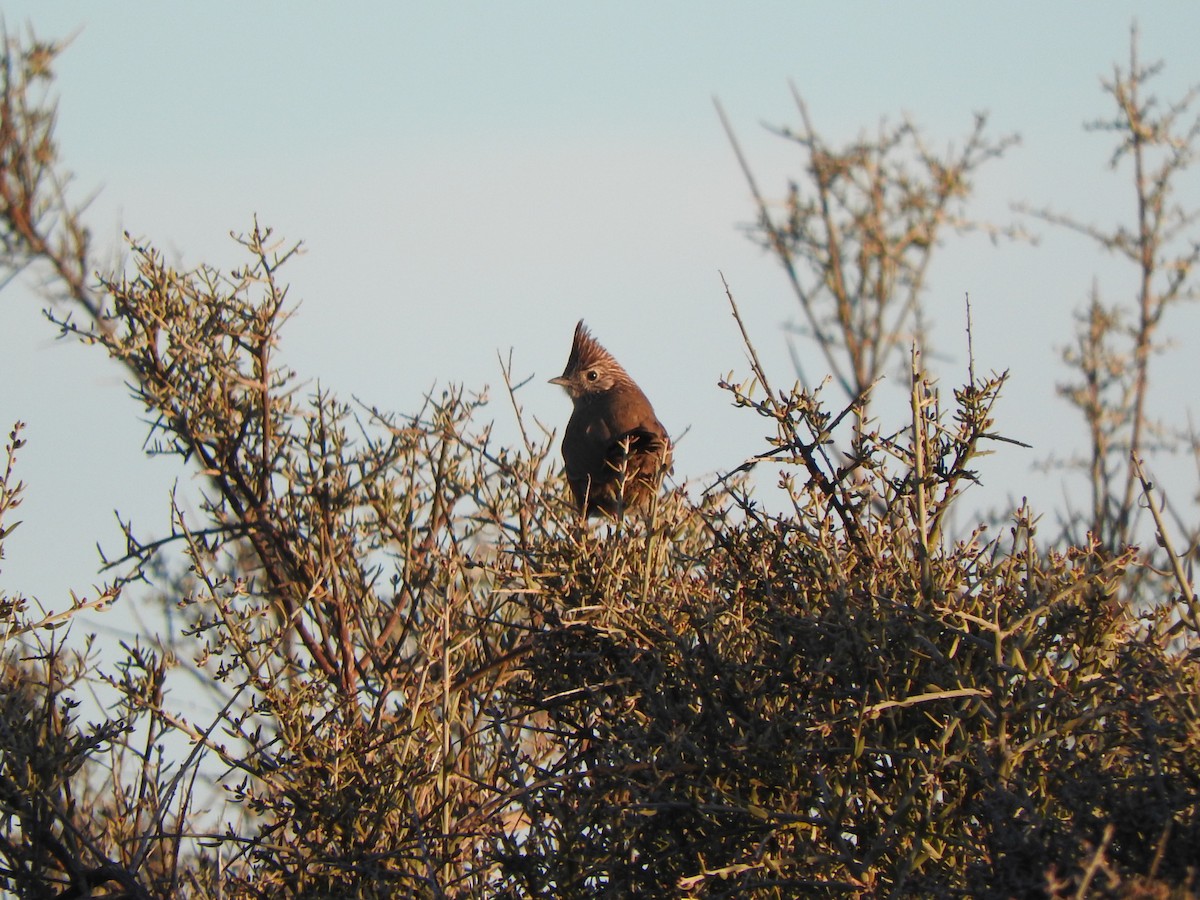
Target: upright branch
{"x": 1116, "y": 341}
{"x": 857, "y": 233}
{"x": 887, "y": 475}
{"x": 38, "y": 224}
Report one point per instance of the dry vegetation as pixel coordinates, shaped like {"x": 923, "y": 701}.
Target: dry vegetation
{"x": 433, "y": 680}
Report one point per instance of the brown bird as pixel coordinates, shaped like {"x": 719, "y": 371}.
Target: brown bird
{"x": 615, "y": 450}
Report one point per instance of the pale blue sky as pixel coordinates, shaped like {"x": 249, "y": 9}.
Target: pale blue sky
{"x": 470, "y": 178}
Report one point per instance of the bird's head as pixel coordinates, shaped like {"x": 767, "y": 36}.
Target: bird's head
{"x": 591, "y": 370}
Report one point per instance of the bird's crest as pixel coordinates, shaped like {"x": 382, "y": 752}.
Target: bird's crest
{"x": 587, "y": 352}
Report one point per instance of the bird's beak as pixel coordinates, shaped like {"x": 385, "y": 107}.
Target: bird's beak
{"x": 561, "y": 381}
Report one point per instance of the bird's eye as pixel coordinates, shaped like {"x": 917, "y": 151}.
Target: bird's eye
{"x": 592, "y": 375}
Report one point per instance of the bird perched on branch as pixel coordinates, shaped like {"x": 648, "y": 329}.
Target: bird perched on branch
{"x": 615, "y": 450}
